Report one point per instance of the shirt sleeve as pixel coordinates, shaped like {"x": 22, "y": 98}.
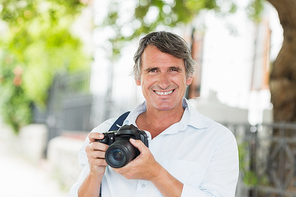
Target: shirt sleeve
{"x": 82, "y": 157}
{"x": 221, "y": 176}
{"x": 85, "y": 169}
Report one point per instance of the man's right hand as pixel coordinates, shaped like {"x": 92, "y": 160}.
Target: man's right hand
{"x": 95, "y": 152}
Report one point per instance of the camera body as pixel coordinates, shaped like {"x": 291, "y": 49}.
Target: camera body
{"x": 120, "y": 151}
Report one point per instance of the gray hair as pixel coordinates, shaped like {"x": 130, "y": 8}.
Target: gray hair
{"x": 166, "y": 42}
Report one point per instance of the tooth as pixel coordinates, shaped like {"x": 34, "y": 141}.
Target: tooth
{"x": 164, "y": 93}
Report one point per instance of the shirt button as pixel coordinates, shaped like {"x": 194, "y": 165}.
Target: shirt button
{"x": 143, "y": 185}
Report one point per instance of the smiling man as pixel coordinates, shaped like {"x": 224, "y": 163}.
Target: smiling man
{"x": 188, "y": 155}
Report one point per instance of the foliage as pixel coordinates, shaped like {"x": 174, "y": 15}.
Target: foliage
{"x": 15, "y": 106}
{"x": 166, "y": 14}
{"x": 36, "y": 45}
{"x": 255, "y": 9}
{"x": 249, "y": 177}
{"x": 151, "y": 15}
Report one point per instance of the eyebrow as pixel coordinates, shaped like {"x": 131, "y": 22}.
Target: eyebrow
{"x": 153, "y": 68}
{"x": 176, "y": 68}
{"x": 157, "y": 68}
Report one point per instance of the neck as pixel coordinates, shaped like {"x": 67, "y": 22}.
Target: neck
{"x": 156, "y": 121}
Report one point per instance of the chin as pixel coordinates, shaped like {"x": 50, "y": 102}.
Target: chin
{"x": 165, "y": 108}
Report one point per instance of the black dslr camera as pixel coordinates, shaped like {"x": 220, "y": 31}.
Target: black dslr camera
{"x": 120, "y": 151}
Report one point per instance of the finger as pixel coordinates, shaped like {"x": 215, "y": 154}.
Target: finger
{"x": 97, "y": 162}
{"x": 97, "y": 155}
{"x": 97, "y": 158}
{"x": 96, "y": 146}
{"x": 95, "y": 136}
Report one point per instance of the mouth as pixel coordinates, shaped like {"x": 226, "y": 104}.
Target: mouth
{"x": 164, "y": 93}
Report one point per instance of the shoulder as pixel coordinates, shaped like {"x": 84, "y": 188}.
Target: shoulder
{"x": 218, "y": 129}
{"x": 105, "y": 126}
{"x": 209, "y": 126}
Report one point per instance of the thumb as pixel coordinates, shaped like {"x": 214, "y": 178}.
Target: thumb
{"x": 138, "y": 144}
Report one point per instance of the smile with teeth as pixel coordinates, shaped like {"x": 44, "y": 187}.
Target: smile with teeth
{"x": 164, "y": 93}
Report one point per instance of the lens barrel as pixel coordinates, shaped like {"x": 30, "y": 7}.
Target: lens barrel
{"x": 120, "y": 153}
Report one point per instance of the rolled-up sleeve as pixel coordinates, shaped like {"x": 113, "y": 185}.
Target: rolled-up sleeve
{"x": 85, "y": 170}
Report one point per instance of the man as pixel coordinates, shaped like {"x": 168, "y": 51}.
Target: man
{"x": 188, "y": 155}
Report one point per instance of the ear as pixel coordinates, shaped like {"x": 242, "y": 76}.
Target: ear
{"x": 189, "y": 80}
{"x": 138, "y": 82}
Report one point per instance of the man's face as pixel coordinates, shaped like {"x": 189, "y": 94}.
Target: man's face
{"x": 163, "y": 80}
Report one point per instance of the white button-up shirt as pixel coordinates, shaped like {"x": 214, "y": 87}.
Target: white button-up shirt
{"x": 199, "y": 152}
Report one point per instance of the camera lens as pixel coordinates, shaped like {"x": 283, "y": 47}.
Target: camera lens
{"x": 117, "y": 156}
{"x": 120, "y": 153}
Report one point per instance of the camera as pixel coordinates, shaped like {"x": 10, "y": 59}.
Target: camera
{"x": 120, "y": 151}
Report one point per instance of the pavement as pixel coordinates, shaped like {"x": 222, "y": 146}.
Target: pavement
{"x": 21, "y": 178}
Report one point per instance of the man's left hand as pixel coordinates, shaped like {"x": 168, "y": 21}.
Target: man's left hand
{"x": 143, "y": 167}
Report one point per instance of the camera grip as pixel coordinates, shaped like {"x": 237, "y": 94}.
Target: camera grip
{"x": 104, "y": 140}
{"x": 108, "y": 138}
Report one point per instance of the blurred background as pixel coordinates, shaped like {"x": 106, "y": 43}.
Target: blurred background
{"x": 65, "y": 67}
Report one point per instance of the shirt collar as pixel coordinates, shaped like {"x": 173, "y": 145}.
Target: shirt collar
{"x": 133, "y": 115}
{"x": 195, "y": 119}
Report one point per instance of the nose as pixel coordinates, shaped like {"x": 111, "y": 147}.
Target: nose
{"x": 164, "y": 81}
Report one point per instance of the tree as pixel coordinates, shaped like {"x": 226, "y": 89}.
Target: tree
{"x": 163, "y": 13}
{"x": 173, "y": 13}
{"x": 167, "y": 14}
{"x": 283, "y": 93}
{"x": 283, "y": 75}
{"x": 36, "y": 45}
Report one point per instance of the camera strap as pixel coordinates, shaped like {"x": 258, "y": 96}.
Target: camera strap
{"x": 118, "y": 123}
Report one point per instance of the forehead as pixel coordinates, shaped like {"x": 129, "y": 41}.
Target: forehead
{"x": 153, "y": 57}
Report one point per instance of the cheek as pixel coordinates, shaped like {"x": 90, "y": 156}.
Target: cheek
{"x": 180, "y": 80}
{"x": 147, "y": 82}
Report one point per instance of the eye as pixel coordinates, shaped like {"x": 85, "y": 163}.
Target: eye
{"x": 173, "y": 69}
{"x": 153, "y": 70}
